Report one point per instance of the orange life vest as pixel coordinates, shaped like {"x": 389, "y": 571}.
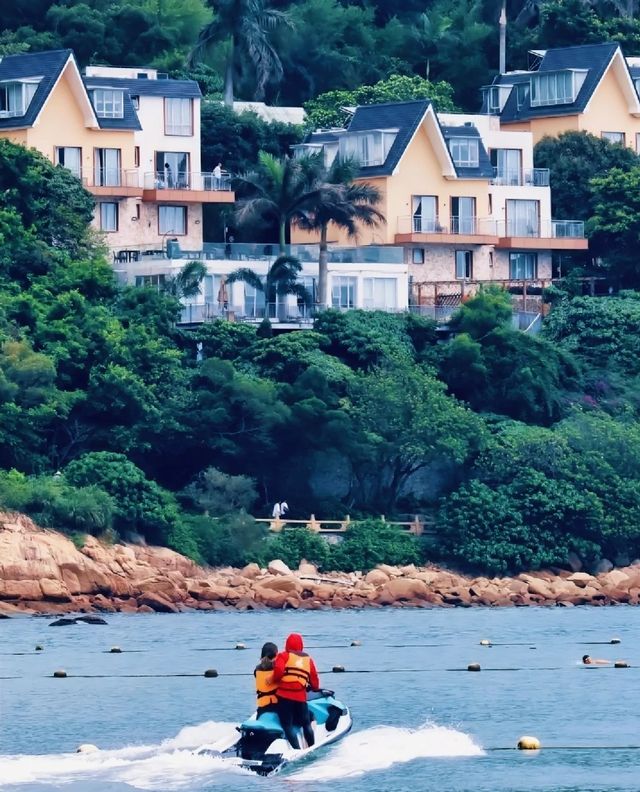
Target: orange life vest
{"x": 265, "y": 687}
{"x": 297, "y": 672}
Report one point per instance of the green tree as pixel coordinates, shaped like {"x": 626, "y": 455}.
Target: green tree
{"x": 327, "y": 110}
{"x": 244, "y": 26}
{"x": 368, "y": 543}
{"x": 615, "y": 224}
{"x": 292, "y": 546}
{"x": 218, "y": 493}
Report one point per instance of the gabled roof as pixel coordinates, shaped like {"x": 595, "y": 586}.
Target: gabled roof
{"x": 129, "y": 118}
{"x": 46, "y": 65}
{"x": 403, "y": 116}
{"x": 484, "y": 168}
{"x": 594, "y": 59}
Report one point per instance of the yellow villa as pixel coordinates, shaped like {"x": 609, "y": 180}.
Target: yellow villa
{"x": 131, "y": 135}
{"x": 589, "y": 88}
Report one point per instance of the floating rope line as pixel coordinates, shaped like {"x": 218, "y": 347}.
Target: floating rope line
{"x": 569, "y": 748}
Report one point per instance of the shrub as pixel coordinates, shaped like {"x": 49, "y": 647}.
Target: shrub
{"x": 218, "y": 493}
{"x": 232, "y": 540}
{"x": 292, "y": 546}
{"x": 373, "y": 542}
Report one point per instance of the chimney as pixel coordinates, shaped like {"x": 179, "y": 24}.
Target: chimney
{"x": 503, "y": 38}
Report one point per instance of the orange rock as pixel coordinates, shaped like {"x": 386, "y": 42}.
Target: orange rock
{"x": 55, "y": 590}
{"x": 20, "y": 590}
{"x": 157, "y": 603}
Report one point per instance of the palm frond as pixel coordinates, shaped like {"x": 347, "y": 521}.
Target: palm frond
{"x": 246, "y": 275}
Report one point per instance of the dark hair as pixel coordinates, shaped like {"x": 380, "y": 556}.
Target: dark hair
{"x": 269, "y": 650}
{"x": 585, "y": 658}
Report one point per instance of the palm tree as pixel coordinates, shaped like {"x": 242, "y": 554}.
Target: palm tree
{"x": 280, "y": 191}
{"x": 245, "y": 25}
{"x": 281, "y": 279}
{"x": 343, "y": 202}
{"x": 186, "y": 282}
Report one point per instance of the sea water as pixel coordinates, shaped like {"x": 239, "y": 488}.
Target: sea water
{"x": 421, "y": 720}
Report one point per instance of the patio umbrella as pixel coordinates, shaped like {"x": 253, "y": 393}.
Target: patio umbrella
{"x": 223, "y": 296}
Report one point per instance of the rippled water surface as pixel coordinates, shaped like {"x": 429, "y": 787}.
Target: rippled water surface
{"x": 421, "y": 720}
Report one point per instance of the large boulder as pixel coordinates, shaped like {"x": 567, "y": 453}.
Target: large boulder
{"x": 250, "y": 571}
{"x": 400, "y": 589}
{"x": 278, "y": 567}
{"x": 157, "y": 603}
{"x": 615, "y": 579}
{"x": 24, "y": 590}
{"x": 288, "y": 584}
{"x": 55, "y": 590}
{"x": 604, "y": 565}
{"x": 305, "y": 569}
{"x": 376, "y": 577}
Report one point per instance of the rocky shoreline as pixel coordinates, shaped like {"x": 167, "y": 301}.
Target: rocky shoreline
{"x": 43, "y": 572}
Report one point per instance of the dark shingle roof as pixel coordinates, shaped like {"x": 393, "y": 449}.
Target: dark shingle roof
{"x": 175, "y": 89}
{"x": 595, "y": 58}
{"x": 129, "y": 118}
{"x": 484, "y": 169}
{"x": 47, "y": 65}
{"x": 403, "y": 116}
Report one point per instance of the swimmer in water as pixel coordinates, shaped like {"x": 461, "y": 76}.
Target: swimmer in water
{"x": 587, "y": 660}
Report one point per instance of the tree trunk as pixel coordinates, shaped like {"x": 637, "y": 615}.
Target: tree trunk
{"x": 282, "y": 238}
{"x": 323, "y": 269}
{"x": 228, "y": 76}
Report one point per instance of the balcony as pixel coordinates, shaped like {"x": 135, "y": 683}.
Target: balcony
{"x": 534, "y": 177}
{"x": 551, "y": 235}
{"x": 187, "y": 187}
{"x": 113, "y": 183}
{"x": 453, "y": 231}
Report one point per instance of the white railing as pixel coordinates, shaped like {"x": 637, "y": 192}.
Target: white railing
{"x": 186, "y": 180}
{"x": 474, "y": 226}
{"x": 552, "y": 229}
{"x": 532, "y": 177}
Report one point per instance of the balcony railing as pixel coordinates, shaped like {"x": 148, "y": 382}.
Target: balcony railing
{"x": 186, "y": 180}
{"x": 532, "y": 177}
{"x": 553, "y": 229}
{"x": 473, "y": 226}
{"x": 114, "y": 177}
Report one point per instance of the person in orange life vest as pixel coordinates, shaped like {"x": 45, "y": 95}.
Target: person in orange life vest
{"x": 265, "y": 686}
{"x": 295, "y": 672}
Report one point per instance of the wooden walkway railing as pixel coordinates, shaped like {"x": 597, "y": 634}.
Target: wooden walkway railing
{"x": 418, "y": 526}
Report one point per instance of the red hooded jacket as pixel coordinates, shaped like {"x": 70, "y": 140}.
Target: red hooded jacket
{"x": 289, "y": 688}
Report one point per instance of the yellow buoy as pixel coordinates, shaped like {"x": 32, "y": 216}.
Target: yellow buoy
{"x": 527, "y": 743}
{"x": 211, "y": 672}
{"x": 615, "y": 641}
{"x": 240, "y": 646}
{"x": 473, "y": 667}
{"x": 338, "y": 669}
{"x": 115, "y": 650}
{"x": 485, "y": 642}
{"x": 356, "y": 643}
{"x": 60, "y": 673}
{"x": 621, "y": 664}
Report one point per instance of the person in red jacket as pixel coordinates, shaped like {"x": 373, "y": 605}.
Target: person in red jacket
{"x": 295, "y": 672}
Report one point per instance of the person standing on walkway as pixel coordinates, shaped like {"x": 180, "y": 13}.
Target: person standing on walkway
{"x": 295, "y": 672}
{"x": 276, "y": 511}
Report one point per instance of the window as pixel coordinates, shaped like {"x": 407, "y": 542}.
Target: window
{"x": 70, "y": 158}
{"x": 109, "y": 217}
{"x": 614, "y": 137}
{"x": 507, "y": 165}
{"x": 343, "y": 291}
{"x": 417, "y": 255}
{"x": 463, "y": 215}
{"x": 108, "y": 103}
{"x": 253, "y": 301}
{"x": 464, "y": 264}
{"x": 178, "y": 117}
{"x": 172, "y": 219}
{"x": 465, "y": 152}
{"x": 496, "y": 97}
{"x": 522, "y": 91}
{"x": 172, "y": 170}
{"x": 136, "y": 156}
{"x": 15, "y": 97}
{"x": 150, "y": 280}
{"x": 379, "y": 293}
{"x": 552, "y": 88}
{"x": 523, "y": 218}
{"x": 107, "y": 167}
{"x": 135, "y": 101}
{"x": 523, "y": 266}
{"x": 368, "y": 148}
{"x": 425, "y": 214}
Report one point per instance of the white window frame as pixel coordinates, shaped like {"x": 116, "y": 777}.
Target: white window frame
{"x": 463, "y": 264}
{"x": 523, "y": 218}
{"x": 61, "y": 156}
{"x": 343, "y": 291}
{"x": 107, "y": 163}
{"x": 17, "y": 96}
{"x": 554, "y": 88}
{"x": 417, "y": 255}
{"x": 178, "y": 116}
{"x": 108, "y": 216}
{"x": 368, "y": 148}
{"x": 424, "y": 214}
{"x": 108, "y": 102}
{"x": 465, "y": 151}
{"x": 617, "y": 138}
{"x": 523, "y": 265}
{"x": 174, "y": 222}
{"x": 380, "y": 293}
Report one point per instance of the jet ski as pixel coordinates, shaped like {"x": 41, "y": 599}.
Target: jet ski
{"x": 262, "y": 746}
